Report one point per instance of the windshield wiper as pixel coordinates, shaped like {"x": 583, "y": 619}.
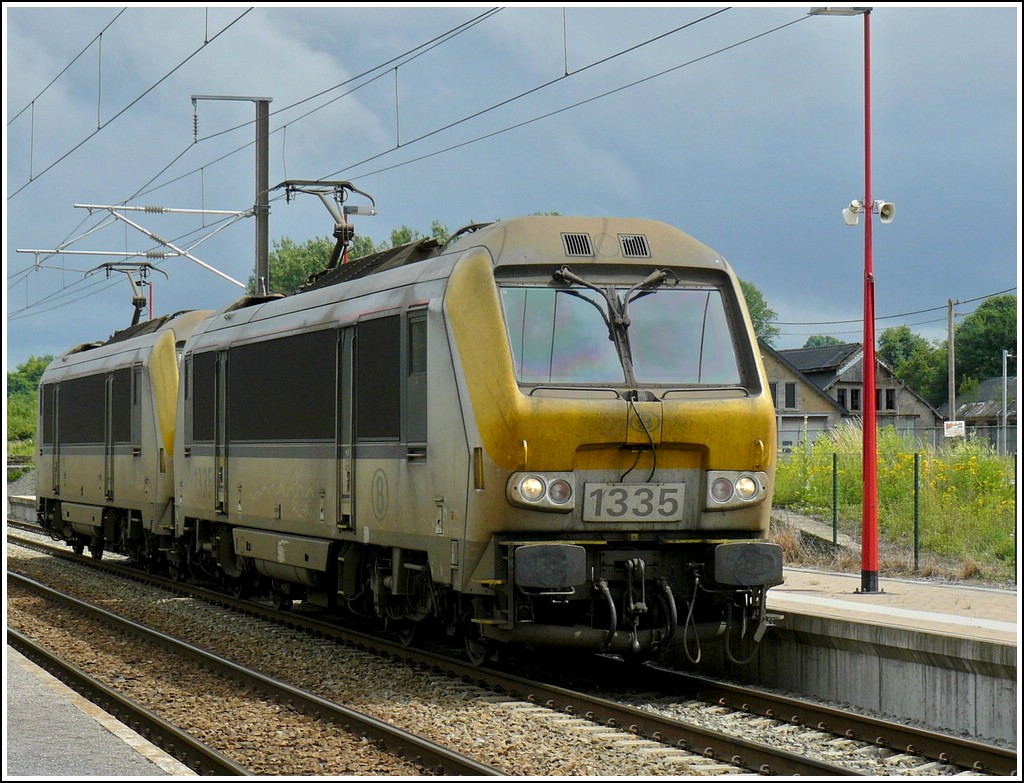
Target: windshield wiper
{"x": 617, "y": 320}
{"x": 657, "y": 277}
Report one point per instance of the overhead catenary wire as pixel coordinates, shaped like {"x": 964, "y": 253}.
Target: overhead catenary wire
{"x": 404, "y": 58}
{"x": 411, "y": 54}
{"x": 124, "y": 109}
{"x": 884, "y": 317}
{"x": 454, "y": 123}
{"x": 520, "y": 125}
{"x": 207, "y": 40}
{"x": 96, "y": 37}
{"x": 546, "y": 115}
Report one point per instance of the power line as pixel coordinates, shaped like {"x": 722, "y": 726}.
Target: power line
{"x": 504, "y": 102}
{"x": 412, "y": 54}
{"x": 885, "y": 317}
{"x": 857, "y": 331}
{"x": 430, "y": 44}
{"x": 130, "y": 105}
{"x": 552, "y": 113}
{"x": 425, "y": 46}
{"x": 55, "y": 78}
{"x": 539, "y": 87}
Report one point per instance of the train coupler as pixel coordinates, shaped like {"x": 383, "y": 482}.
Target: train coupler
{"x": 635, "y": 605}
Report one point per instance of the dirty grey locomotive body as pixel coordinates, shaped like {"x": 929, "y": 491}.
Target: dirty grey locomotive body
{"x": 552, "y": 431}
{"x": 105, "y": 437}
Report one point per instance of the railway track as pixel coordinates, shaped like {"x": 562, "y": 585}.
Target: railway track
{"x": 646, "y": 726}
{"x": 958, "y": 751}
{"x": 424, "y": 754}
{"x": 196, "y": 755}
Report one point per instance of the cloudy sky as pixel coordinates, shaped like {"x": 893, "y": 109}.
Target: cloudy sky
{"x": 744, "y": 127}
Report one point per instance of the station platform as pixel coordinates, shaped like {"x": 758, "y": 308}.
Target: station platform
{"x": 51, "y": 731}
{"x": 957, "y": 610}
{"x": 944, "y": 656}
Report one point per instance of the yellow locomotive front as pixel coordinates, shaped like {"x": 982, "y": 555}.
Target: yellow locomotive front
{"x": 622, "y": 437}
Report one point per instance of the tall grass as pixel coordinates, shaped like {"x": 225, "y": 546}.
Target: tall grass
{"x": 966, "y": 494}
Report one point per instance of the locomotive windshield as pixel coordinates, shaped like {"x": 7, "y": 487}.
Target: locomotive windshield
{"x": 669, "y": 335}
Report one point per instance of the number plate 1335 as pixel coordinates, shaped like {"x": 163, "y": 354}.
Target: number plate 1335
{"x": 633, "y": 502}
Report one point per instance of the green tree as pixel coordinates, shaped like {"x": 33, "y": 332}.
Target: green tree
{"x": 761, "y": 315}
{"x": 981, "y": 338}
{"x": 439, "y": 231}
{"x": 26, "y": 377}
{"x": 402, "y": 235}
{"x": 361, "y": 245}
{"x": 291, "y": 264}
{"x": 23, "y": 401}
{"x": 926, "y": 371}
{"x": 21, "y": 418}
{"x": 897, "y": 344}
{"x": 822, "y": 341}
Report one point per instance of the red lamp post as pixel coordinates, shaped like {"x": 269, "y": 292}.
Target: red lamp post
{"x": 869, "y": 542}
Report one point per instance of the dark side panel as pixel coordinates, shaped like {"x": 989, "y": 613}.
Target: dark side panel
{"x": 283, "y": 389}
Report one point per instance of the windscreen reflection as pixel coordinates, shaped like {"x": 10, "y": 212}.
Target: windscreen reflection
{"x": 677, "y": 337}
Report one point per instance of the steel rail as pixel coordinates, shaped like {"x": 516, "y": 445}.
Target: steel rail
{"x": 947, "y": 749}
{"x": 399, "y": 742}
{"x": 196, "y": 755}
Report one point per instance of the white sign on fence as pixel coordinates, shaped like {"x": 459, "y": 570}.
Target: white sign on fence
{"x": 955, "y": 429}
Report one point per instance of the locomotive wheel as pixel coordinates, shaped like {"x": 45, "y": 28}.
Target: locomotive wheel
{"x": 241, "y": 587}
{"x": 78, "y": 547}
{"x": 281, "y": 600}
{"x": 478, "y": 648}
{"x": 96, "y": 550}
{"x": 407, "y": 632}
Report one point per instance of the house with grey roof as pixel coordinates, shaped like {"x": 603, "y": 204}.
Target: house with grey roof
{"x": 981, "y": 411}
{"x": 804, "y": 378}
{"x": 802, "y": 409}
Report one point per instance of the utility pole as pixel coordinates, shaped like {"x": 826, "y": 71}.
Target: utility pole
{"x": 952, "y": 365}
{"x": 261, "y": 206}
{"x": 1004, "y": 449}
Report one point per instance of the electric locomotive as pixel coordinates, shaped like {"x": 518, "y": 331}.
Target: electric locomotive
{"x": 552, "y": 431}
{"x": 106, "y": 440}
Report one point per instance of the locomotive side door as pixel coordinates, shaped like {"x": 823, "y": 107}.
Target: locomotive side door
{"x": 108, "y": 437}
{"x": 344, "y": 446}
{"x": 376, "y": 431}
{"x": 54, "y": 421}
{"x": 220, "y": 432}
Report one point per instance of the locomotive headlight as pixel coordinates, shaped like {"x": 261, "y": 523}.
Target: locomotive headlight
{"x": 729, "y": 489}
{"x": 532, "y": 488}
{"x": 721, "y": 489}
{"x": 542, "y": 491}
{"x": 560, "y": 491}
{"x": 746, "y": 488}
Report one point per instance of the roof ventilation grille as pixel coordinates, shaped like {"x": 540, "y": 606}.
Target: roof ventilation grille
{"x": 634, "y": 246}
{"x": 577, "y": 245}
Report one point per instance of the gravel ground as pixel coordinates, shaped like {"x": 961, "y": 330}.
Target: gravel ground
{"x": 265, "y": 737}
